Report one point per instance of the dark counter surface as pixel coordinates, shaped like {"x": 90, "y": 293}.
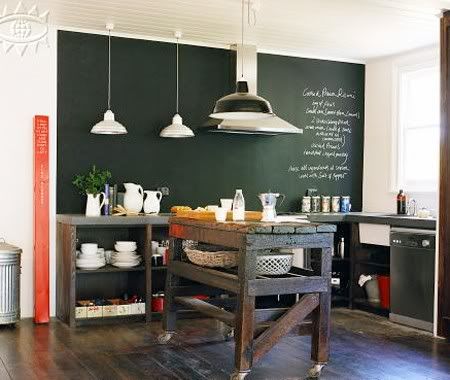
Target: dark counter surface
{"x": 352, "y": 217}
{"x": 375, "y": 218}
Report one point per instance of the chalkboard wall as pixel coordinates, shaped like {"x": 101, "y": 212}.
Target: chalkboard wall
{"x": 324, "y": 98}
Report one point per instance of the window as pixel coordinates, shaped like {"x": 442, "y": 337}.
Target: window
{"x": 418, "y": 127}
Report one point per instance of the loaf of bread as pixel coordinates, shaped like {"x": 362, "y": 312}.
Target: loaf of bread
{"x": 175, "y": 209}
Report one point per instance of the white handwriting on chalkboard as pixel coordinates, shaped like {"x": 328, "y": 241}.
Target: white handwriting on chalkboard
{"x": 327, "y": 93}
{"x": 333, "y": 113}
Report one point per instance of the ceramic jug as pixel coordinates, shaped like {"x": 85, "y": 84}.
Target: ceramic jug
{"x": 152, "y": 202}
{"x": 134, "y": 197}
{"x": 93, "y": 204}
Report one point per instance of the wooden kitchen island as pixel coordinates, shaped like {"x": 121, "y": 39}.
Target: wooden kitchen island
{"x": 256, "y": 331}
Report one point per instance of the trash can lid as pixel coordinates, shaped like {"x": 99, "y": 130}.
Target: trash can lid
{"x": 8, "y": 248}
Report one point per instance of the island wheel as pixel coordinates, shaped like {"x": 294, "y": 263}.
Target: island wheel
{"x": 315, "y": 371}
{"x": 239, "y": 375}
{"x": 165, "y": 337}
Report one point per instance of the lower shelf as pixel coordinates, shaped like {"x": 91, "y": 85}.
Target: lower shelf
{"x": 371, "y": 307}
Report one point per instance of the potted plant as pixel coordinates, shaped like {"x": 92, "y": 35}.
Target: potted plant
{"x": 92, "y": 184}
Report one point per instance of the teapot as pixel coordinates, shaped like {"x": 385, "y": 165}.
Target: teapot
{"x": 134, "y": 197}
{"x": 269, "y": 201}
{"x": 152, "y": 201}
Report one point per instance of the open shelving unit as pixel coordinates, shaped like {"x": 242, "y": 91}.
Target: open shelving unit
{"x": 74, "y": 284}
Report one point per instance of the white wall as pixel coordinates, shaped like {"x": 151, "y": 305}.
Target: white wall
{"x": 27, "y": 88}
{"x": 379, "y": 192}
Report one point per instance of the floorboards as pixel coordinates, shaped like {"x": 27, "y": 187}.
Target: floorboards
{"x": 363, "y": 347}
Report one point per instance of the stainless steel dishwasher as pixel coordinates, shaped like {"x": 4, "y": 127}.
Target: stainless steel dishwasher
{"x": 412, "y": 277}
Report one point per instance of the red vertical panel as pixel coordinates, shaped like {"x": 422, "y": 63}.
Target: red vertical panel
{"x": 41, "y": 220}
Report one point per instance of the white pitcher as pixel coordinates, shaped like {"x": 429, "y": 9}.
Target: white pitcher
{"x": 134, "y": 197}
{"x": 93, "y": 204}
{"x": 152, "y": 203}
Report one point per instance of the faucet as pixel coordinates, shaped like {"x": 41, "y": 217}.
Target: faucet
{"x": 412, "y": 207}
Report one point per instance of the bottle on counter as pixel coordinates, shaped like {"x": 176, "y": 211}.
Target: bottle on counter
{"x": 401, "y": 203}
{"x": 341, "y": 248}
{"x": 239, "y": 206}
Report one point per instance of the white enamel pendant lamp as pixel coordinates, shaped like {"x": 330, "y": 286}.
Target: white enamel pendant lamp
{"x": 109, "y": 126}
{"x": 177, "y": 129}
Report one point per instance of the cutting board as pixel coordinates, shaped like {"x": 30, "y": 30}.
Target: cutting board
{"x": 254, "y": 216}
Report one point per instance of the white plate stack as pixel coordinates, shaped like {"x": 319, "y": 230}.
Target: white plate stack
{"x": 125, "y": 255}
{"x": 91, "y": 257}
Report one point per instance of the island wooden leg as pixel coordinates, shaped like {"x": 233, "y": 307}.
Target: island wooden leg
{"x": 245, "y": 316}
{"x": 320, "y": 344}
{"x": 170, "y": 312}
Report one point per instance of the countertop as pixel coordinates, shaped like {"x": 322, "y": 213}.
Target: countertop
{"x": 352, "y": 217}
{"x": 374, "y": 218}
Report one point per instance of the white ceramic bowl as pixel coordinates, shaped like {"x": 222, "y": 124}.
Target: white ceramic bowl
{"x": 89, "y": 248}
{"x": 119, "y": 248}
{"x": 126, "y": 243}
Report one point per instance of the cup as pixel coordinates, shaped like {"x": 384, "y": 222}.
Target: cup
{"x": 221, "y": 214}
{"x": 154, "y": 246}
{"x": 89, "y": 248}
{"x": 161, "y": 250}
{"x": 227, "y": 204}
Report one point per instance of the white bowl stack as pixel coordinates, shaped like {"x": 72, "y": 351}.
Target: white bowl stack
{"x": 125, "y": 255}
{"x": 91, "y": 257}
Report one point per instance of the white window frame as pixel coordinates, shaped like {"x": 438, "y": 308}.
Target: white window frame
{"x": 413, "y": 62}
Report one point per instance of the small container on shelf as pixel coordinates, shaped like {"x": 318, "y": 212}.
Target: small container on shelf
{"x": 109, "y": 311}
{"x": 94, "y": 311}
{"x": 158, "y": 302}
{"x": 81, "y": 309}
{"x": 123, "y": 308}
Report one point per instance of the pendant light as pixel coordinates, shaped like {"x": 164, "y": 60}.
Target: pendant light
{"x": 241, "y": 105}
{"x": 177, "y": 129}
{"x": 109, "y": 126}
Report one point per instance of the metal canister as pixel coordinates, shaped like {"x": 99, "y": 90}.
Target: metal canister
{"x": 326, "y": 203}
{"x": 315, "y": 203}
{"x": 336, "y": 203}
{"x": 306, "y": 204}
{"x": 9, "y": 283}
{"x": 345, "y": 204}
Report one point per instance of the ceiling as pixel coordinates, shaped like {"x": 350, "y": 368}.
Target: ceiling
{"x": 350, "y": 30}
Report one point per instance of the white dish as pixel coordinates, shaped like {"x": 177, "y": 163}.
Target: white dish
{"x": 126, "y": 244}
{"x": 89, "y": 248}
{"x": 120, "y": 248}
{"x": 90, "y": 266}
{"x": 126, "y": 259}
{"x": 90, "y": 263}
{"x": 125, "y": 265}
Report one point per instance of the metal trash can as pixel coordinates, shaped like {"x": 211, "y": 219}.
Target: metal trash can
{"x": 9, "y": 283}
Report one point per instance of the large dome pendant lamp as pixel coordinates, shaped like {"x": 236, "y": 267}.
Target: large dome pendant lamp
{"x": 109, "y": 126}
{"x": 177, "y": 129}
{"x": 241, "y": 105}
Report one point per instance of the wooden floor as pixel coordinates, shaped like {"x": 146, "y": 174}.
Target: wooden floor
{"x": 363, "y": 347}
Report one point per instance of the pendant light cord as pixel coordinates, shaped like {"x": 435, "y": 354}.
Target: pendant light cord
{"x": 177, "y": 77}
{"x": 109, "y": 69}
{"x": 242, "y": 39}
